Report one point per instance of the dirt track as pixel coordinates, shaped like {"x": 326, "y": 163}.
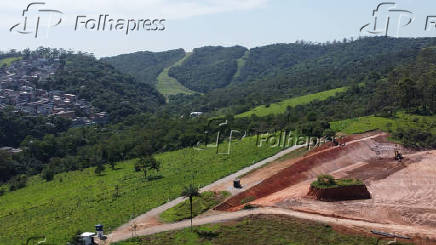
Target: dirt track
{"x": 151, "y": 218}
{"x": 410, "y": 231}
{"x": 403, "y": 194}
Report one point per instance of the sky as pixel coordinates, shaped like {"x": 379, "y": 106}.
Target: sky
{"x": 195, "y": 23}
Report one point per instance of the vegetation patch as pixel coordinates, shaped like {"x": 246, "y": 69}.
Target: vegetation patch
{"x": 257, "y": 230}
{"x": 201, "y": 204}
{"x": 167, "y": 85}
{"x": 327, "y": 181}
{"x": 281, "y": 107}
{"x": 410, "y": 130}
{"x": 9, "y": 61}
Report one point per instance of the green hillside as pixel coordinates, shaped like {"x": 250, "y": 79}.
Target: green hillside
{"x": 208, "y": 68}
{"x": 241, "y": 64}
{"x": 8, "y": 61}
{"x": 401, "y": 120}
{"x": 78, "y": 200}
{"x": 145, "y": 66}
{"x": 280, "y": 107}
{"x": 167, "y": 85}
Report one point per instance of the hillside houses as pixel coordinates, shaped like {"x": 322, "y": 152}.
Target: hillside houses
{"x": 18, "y": 89}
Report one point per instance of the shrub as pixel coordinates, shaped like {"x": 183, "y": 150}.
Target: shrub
{"x": 2, "y": 191}
{"x": 17, "y": 182}
{"x": 248, "y": 199}
{"x": 47, "y": 174}
{"x": 326, "y": 180}
{"x": 99, "y": 169}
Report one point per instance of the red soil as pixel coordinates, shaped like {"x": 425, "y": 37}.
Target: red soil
{"x": 318, "y": 162}
{"x": 344, "y": 193}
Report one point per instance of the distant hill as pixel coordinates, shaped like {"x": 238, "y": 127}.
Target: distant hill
{"x": 308, "y": 68}
{"x": 208, "y": 68}
{"x": 145, "y": 66}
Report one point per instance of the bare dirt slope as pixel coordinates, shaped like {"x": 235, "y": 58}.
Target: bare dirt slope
{"x": 403, "y": 193}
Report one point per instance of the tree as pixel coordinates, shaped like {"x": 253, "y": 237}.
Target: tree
{"x": 6, "y": 166}
{"x": 190, "y": 192}
{"x": 99, "y": 169}
{"x": 147, "y": 163}
{"x": 48, "y": 173}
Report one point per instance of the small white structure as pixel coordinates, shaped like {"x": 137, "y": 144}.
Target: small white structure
{"x": 196, "y": 114}
{"x": 88, "y": 238}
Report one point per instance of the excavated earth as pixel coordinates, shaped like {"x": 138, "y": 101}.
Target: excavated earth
{"x": 402, "y": 193}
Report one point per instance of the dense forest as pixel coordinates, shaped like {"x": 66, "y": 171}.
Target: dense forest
{"x": 208, "y": 68}
{"x": 145, "y": 66}
{"x": 345, "y": 63}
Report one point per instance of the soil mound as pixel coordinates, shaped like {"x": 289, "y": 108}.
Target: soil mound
{"x": 342, "y": 193}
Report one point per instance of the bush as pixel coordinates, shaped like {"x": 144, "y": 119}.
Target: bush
{"x": 326, "y": 180}
{"x": 2, "y": 191}
{"x": 137, "y": 167}
{"x": 47, "y": 174}
{"x": 17, "y": 182}
{"x": 248, "y": 199}
{"x": 99, "y": 169}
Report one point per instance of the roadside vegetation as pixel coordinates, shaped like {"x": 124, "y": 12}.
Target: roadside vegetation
{"x": 200, "y": 204}
{"x": 257, "y": 230}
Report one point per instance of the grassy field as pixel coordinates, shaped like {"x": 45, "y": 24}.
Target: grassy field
{"x": 401, "y": 120}
{"x": 241, "y": 63}
{"x": 337, "y": 183}
{"x": 8, "y": 61}
{"x": 170, "y": 86}
{"x": 78, "y": 200}
{"x": 201, "y": 204}
{"x": 281, "y": 106}
{"x": 257, "y": 230}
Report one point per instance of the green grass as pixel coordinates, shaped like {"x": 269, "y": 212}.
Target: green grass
{"x": 80, "y": 199}
{"x": 201, "y": 204}
{"x": 401, "y": 120}
{"x": 338, "y": 183}
{"x": 257, "y": 230}
{"x": 170, "y": 86}
{"x": 8, "y": 61}
{"x": 280, "y": 107}
{"x": 241, "y": 63}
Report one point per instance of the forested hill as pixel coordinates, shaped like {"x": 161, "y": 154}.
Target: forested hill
{"x": 332, "y": 65}
{"x": 145, "y": 66}
{"x": 208, "y": 68}
{"x": 106, "y": 88}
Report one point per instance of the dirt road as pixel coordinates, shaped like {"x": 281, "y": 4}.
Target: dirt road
{"x": 151, "y": 218}
{"x": 404, "y": 230}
